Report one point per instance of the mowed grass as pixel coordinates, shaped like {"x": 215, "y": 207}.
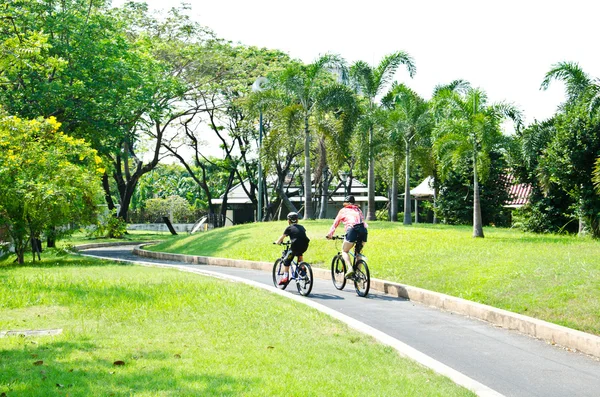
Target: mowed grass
{"x": 139, "y": 331}
{"x": 550, "y": 277}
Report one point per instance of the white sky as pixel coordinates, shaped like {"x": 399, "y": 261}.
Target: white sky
{"x": 504, "y": 47}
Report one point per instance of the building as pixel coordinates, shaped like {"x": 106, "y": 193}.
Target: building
{"x": 241, "y": 210}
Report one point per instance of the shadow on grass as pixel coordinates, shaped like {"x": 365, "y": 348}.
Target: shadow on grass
{"x": 54, "y": 258}
{"x": 206, "y": 244}
{"x": 66, "y": 367}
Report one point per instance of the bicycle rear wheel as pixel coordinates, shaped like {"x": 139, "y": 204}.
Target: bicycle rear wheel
{"x": 278, "y": 274}
{"x": 304, "y": 282}
{"x": 338, "y": 272}
{"x": 362, "y": 278}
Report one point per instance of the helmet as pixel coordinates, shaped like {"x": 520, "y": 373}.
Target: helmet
{"x": 349, "y": 199}
{"x": 292, "y": 217}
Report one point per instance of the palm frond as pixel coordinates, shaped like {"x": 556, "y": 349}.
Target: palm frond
{"x": 575, "y": 79}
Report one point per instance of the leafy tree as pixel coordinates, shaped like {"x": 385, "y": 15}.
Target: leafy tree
{"x": 227, "y": 114}
{"x": 304, "y": 84}
{"x": 577, "y": 126}
{"x": 369, "y": 82}
{"x": 176, "y": 208}
{"x": 48, "y": 179}
{"x": 455, "y": 204}
{"x": 470, "y": 129}
{"x": 93, "y": 79}
{"x": 409, "y": 122}
{"x": 549, "y": 208}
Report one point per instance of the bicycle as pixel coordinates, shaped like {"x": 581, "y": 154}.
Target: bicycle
{"x": 361, "y": 277}
{"x": 300, "y": 272}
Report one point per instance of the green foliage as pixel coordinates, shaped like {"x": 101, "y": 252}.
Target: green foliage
{"x": 382, "y": 214}
{"x": 175, "y": 208}
{"x": 109, "y": 226}
{"x": 455, "y": 203}
{"x": 48, "y": 179}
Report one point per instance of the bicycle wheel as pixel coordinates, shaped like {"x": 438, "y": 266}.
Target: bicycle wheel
{"x": 278, "y": 274}
{"x": 362, "y": 278}
{"x": 304, "y": 282}
{"x": 338, "y": 272}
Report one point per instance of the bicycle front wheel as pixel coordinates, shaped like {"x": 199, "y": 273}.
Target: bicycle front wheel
{"x": 338, "y": 272}
{"x": 304, "y": 282}
{"x": 362, "y": 278}
{"x": 278, "y": 274}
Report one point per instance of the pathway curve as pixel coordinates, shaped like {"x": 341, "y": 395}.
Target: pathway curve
{"x": 506, "y": 362}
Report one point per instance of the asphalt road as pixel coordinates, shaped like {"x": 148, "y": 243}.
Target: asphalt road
{"x": 505, "y": 361}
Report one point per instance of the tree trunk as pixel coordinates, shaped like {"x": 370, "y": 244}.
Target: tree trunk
{"x": 407, "y": 208}
{"x": 436, "y": 188}
{"x": 394, "y": 192}
{"x": 371, "y": 215}
{"x": 308, "y": 212}
{"x": 324, "y": 192}
{"x": 107, "y": 196}
{"x": 477, "y": 221}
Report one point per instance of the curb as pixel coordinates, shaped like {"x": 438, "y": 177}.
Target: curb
{"x": 549, "y": 332}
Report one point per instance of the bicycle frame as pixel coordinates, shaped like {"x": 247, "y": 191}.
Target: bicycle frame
{"x": 361, "y": 276}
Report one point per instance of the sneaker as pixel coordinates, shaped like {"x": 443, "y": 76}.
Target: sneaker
{"x": 284, "y": 280}
{"x": 350, "y": 274}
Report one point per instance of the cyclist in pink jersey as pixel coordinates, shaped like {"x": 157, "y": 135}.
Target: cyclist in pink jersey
{"x": 356, "y": 230}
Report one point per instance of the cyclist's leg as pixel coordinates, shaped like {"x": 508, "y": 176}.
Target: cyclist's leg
{"x": 286, "y": 267}
{"x": 349, "y": 242}
{"x": 346, "y": 247}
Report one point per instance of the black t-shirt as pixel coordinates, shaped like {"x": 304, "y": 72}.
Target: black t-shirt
{"x": 297, "y": 235}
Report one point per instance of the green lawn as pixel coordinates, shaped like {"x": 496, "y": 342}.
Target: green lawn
{"x": 550, "y": 277}
{"x": 180, "y": 334}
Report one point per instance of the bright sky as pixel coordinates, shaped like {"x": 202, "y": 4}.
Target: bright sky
{"x": 504, "y": 47}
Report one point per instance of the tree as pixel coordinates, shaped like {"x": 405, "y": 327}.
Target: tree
{"x": 226, "y": 113}
{"x": 577, "y": 126}
{"x": 409, "y": 122}
{"x": 48, "y": 179}
{"x": 369, "y": 82}
{"x": 95, "y": 80}
{"x": 304, "y": 83}
{"x": 470, "y": 128}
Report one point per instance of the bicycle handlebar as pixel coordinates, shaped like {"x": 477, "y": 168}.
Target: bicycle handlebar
{"x": 340, "y": 237}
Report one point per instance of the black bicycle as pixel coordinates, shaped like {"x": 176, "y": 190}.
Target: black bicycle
{"x": 361, "y": 277}
{"x": 301, "y": 272}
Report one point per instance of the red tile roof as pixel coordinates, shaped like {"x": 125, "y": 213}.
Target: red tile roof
{"x": 518, "y": 193}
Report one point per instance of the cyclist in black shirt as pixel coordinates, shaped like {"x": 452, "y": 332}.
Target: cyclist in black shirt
{"x": 297, "y": 235}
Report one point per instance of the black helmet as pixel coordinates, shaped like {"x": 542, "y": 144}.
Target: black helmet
{"x": 349, "y": 199}
{"x": 293, "y": 217}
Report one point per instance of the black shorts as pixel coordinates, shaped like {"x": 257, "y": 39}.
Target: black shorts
{"x": 357, "y": 233}
{"x": 295, "y": 250}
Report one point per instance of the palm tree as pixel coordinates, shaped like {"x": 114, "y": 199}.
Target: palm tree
{"x": 304, "y": 83}
{"x": 370, "y": 82}
{"x": 582, "y": 91}
{"x": 578, "y": 85}
{"x": 410, "y": 120}
{"x": 470, "y": 128}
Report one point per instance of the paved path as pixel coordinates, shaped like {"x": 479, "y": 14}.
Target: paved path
{"x": 506, "y": 362}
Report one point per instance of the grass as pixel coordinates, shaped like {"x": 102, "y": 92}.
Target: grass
{"x": 179, "y": 334}
{"x": 550, "y": 277}
{"x": 134, "y": 236}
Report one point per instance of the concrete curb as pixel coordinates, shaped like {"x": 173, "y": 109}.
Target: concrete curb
{"x": 551, "y": 333}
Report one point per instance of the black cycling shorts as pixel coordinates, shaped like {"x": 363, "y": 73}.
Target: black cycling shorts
{"x": 295, "y": 250}
{"x": 357, "y": 233}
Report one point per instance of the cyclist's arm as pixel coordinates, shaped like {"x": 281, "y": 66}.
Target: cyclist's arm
{"x": 336, "y": 222}
{"x": 280, "y": 240}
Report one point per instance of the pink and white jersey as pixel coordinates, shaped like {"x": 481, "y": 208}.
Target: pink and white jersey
{"x": 350, "y": 215}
